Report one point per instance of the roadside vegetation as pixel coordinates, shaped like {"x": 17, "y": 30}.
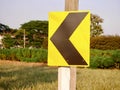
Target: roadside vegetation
{"x": 24, "y": 54}
{"x": 98, "y": 58}
{"x": 105, "y": 59}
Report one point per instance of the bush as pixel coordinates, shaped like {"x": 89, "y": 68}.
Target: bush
{"x": 94, "y": 62}
{"x": 4, "y": 54}
{"x": 105, "y": 42}
{"x": 101, "y": 59}
{"x": 102, "y": 62}
{"x": 116, "y": 58}
{"x": 106, "y": 62}
{"x": 45, "y": 43}
{"x": 32, "y": 55}
{"x": 2, "y": 57}
{"x": 24, "y": 54}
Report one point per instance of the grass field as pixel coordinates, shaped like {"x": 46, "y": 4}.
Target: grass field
{"x": 35, "y": 76}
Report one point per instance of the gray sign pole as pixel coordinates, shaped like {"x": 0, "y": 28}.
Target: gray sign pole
{"x": 67, "y": 75}
{"x": 72, "y": 5}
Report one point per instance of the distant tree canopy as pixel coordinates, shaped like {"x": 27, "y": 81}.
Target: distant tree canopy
{"x": 4, "y": 28}
{"x": 36, "y": 26}
{"x": 8, "y": 41}
{"x": 35, "y": 31}
{"x": 96, "y": 27}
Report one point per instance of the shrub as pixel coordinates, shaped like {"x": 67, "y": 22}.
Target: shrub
{"x": 45, "y": 43}
{"x": 43, "y": 55}
{"x": 2, "y": 57}
{"x": 101, "y": 59}
{"x": 32, "y": 55}
{"x": 105, "y": 42}
{"x": 107, "y": 62}
{"x": 116, "y": 58}
{"x": 4, "y": 54}
{"x": 24, "y": 54}
{"x": 94, "y": 62}
{"x": 101, "y": 62}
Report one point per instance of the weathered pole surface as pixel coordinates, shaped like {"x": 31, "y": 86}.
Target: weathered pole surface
{"x": 71, "y": 5}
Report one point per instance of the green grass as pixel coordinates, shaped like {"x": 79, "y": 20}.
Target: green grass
{"x": 35, "y": 77}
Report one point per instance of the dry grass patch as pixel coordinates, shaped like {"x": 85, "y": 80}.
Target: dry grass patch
{"x": 37, "y": 76}
{"x": 98, "y": 79}
{"x": 27, "y": 76}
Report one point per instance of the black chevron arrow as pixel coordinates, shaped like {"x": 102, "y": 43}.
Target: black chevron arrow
{"x": 61, "y": 39}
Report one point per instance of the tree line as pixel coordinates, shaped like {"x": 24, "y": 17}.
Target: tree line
{"x": 35, "y": 33}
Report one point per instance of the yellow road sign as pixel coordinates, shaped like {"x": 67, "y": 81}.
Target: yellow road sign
{"x": 69, "y": 38}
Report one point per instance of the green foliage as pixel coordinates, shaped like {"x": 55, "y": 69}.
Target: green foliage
{"x": 32, "y": 55}
{"x": 36, "y": 26}
{"x": 35, "y": 31}
{"x": 4, "y": 29}
{"x": 45, "y": 43}
{"x": 104, "y": 58}
{"x": 19, "y": 34}
{"x": 27, "y": 55}
{"x": 8, "y": 41}
{"x": 102, "y": 62}
{"x": 98, "y": 58}
{"x": 116, "y": 58}
{"x": 8, "y": 54}
{"x": 105, "y": 42}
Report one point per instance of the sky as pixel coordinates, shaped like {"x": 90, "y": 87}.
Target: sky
{"x": 16, "y": 12}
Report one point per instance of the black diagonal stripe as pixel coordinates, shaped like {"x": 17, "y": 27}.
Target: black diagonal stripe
{"x": 61, "y": 39}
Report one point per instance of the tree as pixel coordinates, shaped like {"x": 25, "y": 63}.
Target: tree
{"x": 96, "y": 27}
{"x": 7, "y": 34}
{"x": 35, "y": 31}
{"x": 8, "y": 41}
{"x": 4, "y": 29}
{"x": 19, "y": 34}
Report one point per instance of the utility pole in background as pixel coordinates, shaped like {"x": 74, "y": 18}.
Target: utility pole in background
{"x": 24, "y": 38}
